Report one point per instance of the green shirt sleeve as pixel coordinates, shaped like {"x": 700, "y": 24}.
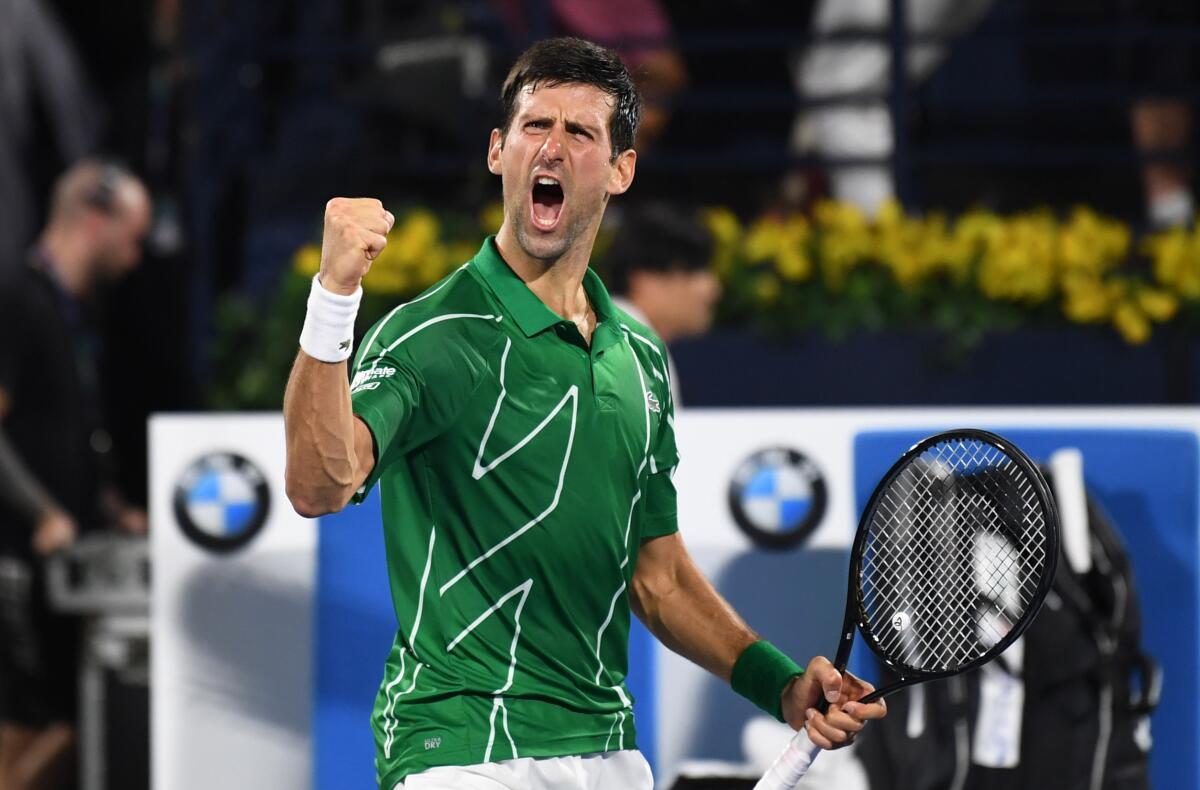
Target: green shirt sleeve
{"x": 660, "y": 515}
{"x": 409, "y": 393}
{"x": 386, "y": 402}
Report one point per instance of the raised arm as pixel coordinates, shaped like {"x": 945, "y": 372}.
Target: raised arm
{"x": 330, "y": 452}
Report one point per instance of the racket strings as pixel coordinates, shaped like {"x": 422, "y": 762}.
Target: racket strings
{"x": 953, "y": 629}
{"x": 941, "y": 625}
{"x": 954, "y": 555}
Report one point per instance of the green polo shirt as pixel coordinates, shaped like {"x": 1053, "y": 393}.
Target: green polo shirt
{"x": 519, "y": 471}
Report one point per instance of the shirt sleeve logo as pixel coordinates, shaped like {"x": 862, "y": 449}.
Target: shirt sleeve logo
{"x": 369, "y": 379}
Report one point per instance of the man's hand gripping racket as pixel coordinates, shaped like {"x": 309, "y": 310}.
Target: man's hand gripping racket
{"x": 953, "y": 557}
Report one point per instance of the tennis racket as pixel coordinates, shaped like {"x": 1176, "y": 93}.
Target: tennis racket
{"x": 954, "y": 554}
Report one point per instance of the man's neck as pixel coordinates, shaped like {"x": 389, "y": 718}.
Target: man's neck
{"x": 67, "y": 256}
{"x": 558, "y": 283}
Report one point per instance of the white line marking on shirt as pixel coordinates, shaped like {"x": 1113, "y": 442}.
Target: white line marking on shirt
{"x": 480, "y": 471}
{"x": 523, "y": 590}
{"x": 390, "y": 709}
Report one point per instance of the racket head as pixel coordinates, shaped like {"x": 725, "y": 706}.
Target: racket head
{"x": 953, "y": 557}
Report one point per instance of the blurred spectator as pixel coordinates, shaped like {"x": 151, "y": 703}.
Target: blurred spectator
{"x": 658, "y": 270}
{"x": 40, "y": 77}
{"x": 1165, "y": 125}
{"x": 638, "y": 30}
{"x": 1161, "y": 121}
{"x": 52, "y": 444}
{"x": 864, "y": 129}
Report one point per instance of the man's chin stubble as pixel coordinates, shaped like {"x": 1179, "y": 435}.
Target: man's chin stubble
{"x": 527, "y": 242}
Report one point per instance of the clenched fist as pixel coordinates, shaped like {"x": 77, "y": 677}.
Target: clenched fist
{"x": 355, "y": 233}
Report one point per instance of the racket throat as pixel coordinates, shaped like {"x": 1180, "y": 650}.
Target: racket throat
{"x": 841, "y": 659}
{"x": 844, "y": 647}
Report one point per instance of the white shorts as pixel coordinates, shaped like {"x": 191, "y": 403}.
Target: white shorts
{"x": 623, "y": 770}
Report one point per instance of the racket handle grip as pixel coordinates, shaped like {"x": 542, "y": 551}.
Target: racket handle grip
{"x": 790, "y": 766}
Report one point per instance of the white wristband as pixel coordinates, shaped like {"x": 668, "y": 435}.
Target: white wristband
{"x": 328, "y": 333}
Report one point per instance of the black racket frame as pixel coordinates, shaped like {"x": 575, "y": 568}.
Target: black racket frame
{"x": 856, "y": 618}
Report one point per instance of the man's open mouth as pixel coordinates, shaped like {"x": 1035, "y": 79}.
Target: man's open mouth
{"x": 547, "y": 203}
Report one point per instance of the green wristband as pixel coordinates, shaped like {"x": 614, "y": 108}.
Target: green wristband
{"x": 761, "y": 673}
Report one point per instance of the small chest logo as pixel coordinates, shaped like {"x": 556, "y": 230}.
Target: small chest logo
{"x": 433, "y": 743}
{"x": 652, "y": 402}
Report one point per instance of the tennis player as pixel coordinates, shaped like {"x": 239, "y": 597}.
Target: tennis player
{"x": 520, "y": 429}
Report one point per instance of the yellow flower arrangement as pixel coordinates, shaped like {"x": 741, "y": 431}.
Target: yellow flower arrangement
{"x": 791, "y": 270}
{"x": 1176, "y": 257}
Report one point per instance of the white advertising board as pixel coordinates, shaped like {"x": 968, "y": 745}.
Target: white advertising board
{"x": 231, "y": 694}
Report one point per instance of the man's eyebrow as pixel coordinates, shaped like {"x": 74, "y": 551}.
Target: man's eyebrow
{"x": 580, "y": 126}
{"x": 571, "y": 125}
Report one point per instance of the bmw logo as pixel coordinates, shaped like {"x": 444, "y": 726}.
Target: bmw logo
{"x": 777, "y": 497}
{"x": 221, "y": 501}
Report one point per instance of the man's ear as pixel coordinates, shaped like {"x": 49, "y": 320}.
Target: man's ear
{"x": 622, "y": 173}
{"x": 495, "y": 146}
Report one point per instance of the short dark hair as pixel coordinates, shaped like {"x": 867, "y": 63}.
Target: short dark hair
{"x": 559, "y": 61}
{"x": 656, "y": 237}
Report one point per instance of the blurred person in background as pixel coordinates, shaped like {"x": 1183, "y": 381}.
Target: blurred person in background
{"x": 864, "y": 129}
{"x": 659, "y": 271}
{"x": 45, "y": 105}
{"x": 52, "y": 447}
{"x": 1165, "y": 125}
{"x": 1162, "y": 119}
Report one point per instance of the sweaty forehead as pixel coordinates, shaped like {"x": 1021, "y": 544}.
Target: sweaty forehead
{"x": 570, "y": 100}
